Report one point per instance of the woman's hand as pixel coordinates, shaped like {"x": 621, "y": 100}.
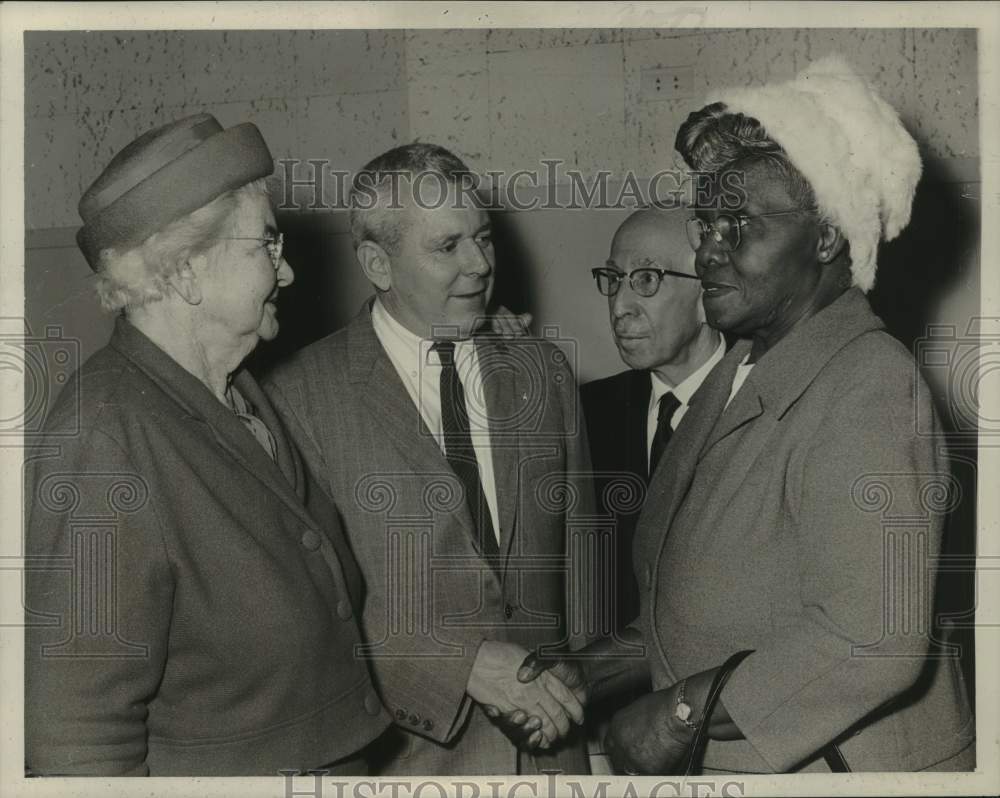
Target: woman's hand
{"x": 646, "y": 737}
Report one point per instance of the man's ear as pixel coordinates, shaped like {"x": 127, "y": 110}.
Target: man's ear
{"x": 185, "y": 282}
{"x": 830, "y": 243}
{"x": 376, "y": 264}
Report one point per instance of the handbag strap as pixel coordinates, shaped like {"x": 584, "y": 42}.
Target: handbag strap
{"x": 701, "y": 733}
{"x": 831, "y": 753}
{"x": 835, "y": 759}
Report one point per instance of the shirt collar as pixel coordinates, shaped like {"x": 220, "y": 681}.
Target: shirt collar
{"x": 685, "y": 390}
{"x": 406, "y": 345}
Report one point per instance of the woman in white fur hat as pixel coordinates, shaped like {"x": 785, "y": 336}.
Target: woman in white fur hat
{"x": 784, "y": 557}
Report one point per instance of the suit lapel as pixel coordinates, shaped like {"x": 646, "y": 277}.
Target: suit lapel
{"x": 746, "y": 406}
{"x": 687, "y": 444}
{"x": 503, "y": 391}
{"x": 382, "y": 392}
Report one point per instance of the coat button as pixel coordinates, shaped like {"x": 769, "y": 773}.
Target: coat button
{"x": 428, "y": 724}
{"x": 508, "y": 611}
{"x": 311, "y": 540}
{"x": 372, "y": 704}
{"x": 414, "y": 719}
{"x": 344, "y": 611}
{"x": 400, "y": 714}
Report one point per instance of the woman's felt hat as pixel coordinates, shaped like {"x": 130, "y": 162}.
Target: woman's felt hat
{"x": 164, "y": 175}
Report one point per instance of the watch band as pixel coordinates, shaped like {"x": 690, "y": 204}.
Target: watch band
{"x": 682, "y": 710}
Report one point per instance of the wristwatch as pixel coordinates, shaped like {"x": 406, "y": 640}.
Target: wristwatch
{"x": 682, "y": 711}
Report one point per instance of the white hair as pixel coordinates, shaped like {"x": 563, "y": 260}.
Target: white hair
{"x": 140, "y": 275}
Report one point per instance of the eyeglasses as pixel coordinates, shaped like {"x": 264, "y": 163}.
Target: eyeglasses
{"x": 726, "y": 228}
{"x": 275, "y": 243}
{"x": 645, "y": 281}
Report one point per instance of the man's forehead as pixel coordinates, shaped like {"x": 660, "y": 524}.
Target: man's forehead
{"x": 656, "y": 235}
{"x": 447, "y": 219}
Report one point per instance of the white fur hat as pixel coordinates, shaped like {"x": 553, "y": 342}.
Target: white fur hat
{"x": 849, "y": 144}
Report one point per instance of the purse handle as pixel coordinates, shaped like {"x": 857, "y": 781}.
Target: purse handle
{"x": 701, "y": 733}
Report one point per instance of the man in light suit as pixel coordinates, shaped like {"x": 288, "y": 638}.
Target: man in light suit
{"x": 458, "y": 463}
{"x": 654, "y": 306}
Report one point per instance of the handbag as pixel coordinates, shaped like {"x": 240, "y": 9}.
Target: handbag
{"x": 830, "y": 753}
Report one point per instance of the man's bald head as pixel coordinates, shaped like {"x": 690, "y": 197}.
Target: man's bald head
{"x": 659, "y": 332}
{"x": 661, "y": 233}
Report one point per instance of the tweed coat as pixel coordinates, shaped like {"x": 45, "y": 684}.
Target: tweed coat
{"x": 185, "y": 614}
{"x": 800, "y": 521}
{"x": 432, "y": 598}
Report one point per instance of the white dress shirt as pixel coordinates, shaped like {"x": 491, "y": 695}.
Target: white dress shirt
{"x": 684, "y": 391}
{"x": 420, "y": 370}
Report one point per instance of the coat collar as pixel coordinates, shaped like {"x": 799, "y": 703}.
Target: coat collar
{"x": 779, "y": 378}
{"x": 786, "y": 370}
{"x": 194, "y": 398}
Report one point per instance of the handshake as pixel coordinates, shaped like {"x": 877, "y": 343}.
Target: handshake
{"x": 534, "y": 703}
{"x": 535, "y": 700}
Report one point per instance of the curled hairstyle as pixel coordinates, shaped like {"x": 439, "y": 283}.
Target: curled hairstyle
{"x": 375, "y": 190}
{"x": 714, "y": 139}
{"x": 134, "y": 277}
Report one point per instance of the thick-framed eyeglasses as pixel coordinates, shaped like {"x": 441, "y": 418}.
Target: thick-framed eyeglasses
{"x": 725, "y": 228}
{"x": 275, "y": 243}
{"x": 645, "y": 281}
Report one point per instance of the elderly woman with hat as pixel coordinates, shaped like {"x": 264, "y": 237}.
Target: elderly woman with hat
{"x": 187, "y": 614}
{"x": 784, "y": 557}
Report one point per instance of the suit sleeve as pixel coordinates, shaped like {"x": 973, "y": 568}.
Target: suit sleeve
{"x": 412, "y": 685}
{"x": 861, "y": 635}
{"x": 98, "y": 606}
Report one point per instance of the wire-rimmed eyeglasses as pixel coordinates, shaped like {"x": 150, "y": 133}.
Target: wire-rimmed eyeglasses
{"x": 645, "y": 281}
{"x": 275, "y": 243}
{"x": 725, "y": 228}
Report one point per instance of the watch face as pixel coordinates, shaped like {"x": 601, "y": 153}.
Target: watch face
{"x": 683, "y": 711}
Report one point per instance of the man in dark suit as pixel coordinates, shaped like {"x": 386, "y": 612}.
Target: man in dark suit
{"x": 654, "y": 305}
{"x": 458, "y": 462}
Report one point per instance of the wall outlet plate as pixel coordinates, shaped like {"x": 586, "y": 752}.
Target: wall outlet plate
{"x": 667, "y": 83}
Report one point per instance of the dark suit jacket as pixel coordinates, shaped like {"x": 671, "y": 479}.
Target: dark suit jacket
{"x": 432, "y": 598}
{"x": 803, "y": 521}
{"x": 616, "y": 410}
{"x": 186, "y": 614}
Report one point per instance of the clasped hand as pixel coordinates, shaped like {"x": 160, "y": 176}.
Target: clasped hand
{"x": 646, "y": 738}
{"x": 535, "y": 712}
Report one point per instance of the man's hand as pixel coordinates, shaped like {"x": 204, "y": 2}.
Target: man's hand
{"x": 569, "y": 672}
{"x": 646, "y": 738}
{"x": 510, "y": 325}
{"x": 493, "y": 684}
{"x": 524, "y": 730}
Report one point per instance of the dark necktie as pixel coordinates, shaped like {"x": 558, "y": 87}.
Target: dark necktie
{"x": 459, "y": 450}
{"x": 668, "y": 406}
